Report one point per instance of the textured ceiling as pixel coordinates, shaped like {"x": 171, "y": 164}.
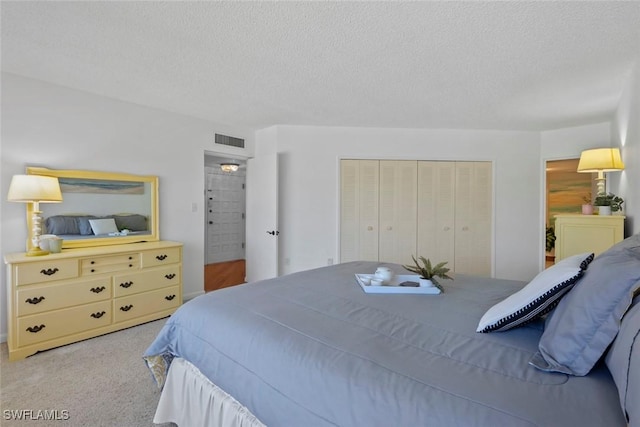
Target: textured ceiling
{"x": 484, "y": 65}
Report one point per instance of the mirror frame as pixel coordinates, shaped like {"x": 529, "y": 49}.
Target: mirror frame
{"x": 154, "y": 220}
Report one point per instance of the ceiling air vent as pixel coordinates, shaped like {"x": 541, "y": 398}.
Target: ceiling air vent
{"x": 229, "y": 140}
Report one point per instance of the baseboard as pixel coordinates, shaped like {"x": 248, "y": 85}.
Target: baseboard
{"x": 3, "y": 338}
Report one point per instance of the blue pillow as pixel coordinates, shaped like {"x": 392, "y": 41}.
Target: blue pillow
{"x": 620, "y": 361}
{"x": 587, "y": 319}
{"x": 84, "y": 226}
{"x": 61, "y": 225}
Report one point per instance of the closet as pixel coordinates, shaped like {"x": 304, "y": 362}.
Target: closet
{"x": 441, "y": 210}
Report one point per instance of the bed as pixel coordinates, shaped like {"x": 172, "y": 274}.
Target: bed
{"x": 312, "y": 349}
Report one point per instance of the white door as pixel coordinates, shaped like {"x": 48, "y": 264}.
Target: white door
{"x": 262, "y": 218}
{"x": 359, "y": 210}
{"x": 436, "y": 211}
{"x": 225, "y": 215}
{"x": 398, "y": 210}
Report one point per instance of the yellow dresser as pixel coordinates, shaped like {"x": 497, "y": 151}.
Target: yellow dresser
{"x": 77, "y": 294}
{"x": 577, "y": 234}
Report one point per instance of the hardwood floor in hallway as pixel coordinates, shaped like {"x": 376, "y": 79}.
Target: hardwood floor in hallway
{"x": 224, "y": 274}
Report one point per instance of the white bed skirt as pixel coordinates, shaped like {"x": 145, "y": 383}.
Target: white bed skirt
{"x": 189, "y": 399}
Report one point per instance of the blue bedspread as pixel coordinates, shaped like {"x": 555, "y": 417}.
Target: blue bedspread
{"x": 312, "y": 349}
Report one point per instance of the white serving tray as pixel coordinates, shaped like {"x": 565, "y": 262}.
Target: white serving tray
{"x": 393, "y": 288}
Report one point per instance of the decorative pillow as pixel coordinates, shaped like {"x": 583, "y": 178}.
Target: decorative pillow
{"x": 61, "y": 225}
{"x": 133, "y": 222}
{"x": 103, "y": 226}
{"x": 537, "y": 298}
{"x": 587, "y": 320}
{"x": 624, "y": 350}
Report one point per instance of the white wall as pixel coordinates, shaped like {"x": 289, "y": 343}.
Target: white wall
{"x": 626, "y": 135}
{"x": 60, "y": 128}
{"x": 309, "y": 189}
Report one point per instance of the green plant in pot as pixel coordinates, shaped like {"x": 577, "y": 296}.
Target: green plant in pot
{"x": 608, "y": 203}
{"x": 550, "y": 239}
{"x": 428, "y": 272}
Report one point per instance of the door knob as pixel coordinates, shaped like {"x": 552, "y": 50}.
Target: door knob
{"x": 273, "y": 233}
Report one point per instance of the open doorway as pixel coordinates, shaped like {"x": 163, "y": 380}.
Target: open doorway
{"x": 225, "y": 195}
{"x": 566, "y": 192}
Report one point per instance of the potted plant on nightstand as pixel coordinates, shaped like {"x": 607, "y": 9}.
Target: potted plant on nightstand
{"x": 608, "y": 203}
{"x": 429, "y": 272}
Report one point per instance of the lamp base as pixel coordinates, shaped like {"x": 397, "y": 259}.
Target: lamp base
{"x": 36, "y": 252}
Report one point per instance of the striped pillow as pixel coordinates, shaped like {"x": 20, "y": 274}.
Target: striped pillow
{"x": 537, "y": 298}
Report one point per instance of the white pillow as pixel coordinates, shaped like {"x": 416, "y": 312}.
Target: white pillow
{"x": 537, "y": 298}
{"x": 103, "y": 226}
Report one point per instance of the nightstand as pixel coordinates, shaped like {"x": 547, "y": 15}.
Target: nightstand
{"x": 577, "y": 234}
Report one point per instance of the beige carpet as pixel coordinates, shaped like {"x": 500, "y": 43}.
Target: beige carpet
{"x": 99, "y": 382}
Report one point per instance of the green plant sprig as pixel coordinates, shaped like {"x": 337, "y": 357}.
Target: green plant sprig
{"x": 428, "y": 271}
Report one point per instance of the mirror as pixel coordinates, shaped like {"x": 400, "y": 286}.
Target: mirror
{"x": 100, "y": 208}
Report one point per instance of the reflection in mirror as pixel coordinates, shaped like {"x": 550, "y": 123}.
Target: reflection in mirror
{"x": 101, "y": 208}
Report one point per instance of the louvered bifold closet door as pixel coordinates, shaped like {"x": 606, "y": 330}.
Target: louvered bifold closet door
{"x": 398, "y": 210}
{"x": 473, "y": 207}
{"x": 359, "y": 201}
{"x": 436, "y": 211}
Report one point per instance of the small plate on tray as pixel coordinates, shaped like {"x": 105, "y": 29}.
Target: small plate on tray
{"x": 393, "y": 287}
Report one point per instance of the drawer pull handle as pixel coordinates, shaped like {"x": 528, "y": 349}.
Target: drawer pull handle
{"x": 126, "y": 307}
{"x": 170, "y": 276}
{"x": 161, "y": 257}
{"x": 126, "y": 284}
{"x": 35, "y": 300}
{"x": 98, "y": 290}
{"x": 34, "y": 329}
{"x": 49, "y": 271}
{"x": 98, "y": 314}
{"x": 130, "y": 265}
{"x": 93, "y": 262}
{"x": 169, "y": 297}
{"x": 130, "y": 257}
{"x": 92, "y": 270}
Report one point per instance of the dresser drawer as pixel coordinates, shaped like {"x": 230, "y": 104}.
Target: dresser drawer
{"x": 46, "y": 271}
{"x": 109, "y": 264}
{"x": 129, "y": 307}
{"x": 161, "y": 257}
{"x": 36, "y": 299}
{"x": 128, "y": 284}
{"x": 59, "y": 323}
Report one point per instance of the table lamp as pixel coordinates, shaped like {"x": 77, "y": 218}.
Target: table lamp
{"x": 600, "y": 160}
{"x": 35, "y": 189}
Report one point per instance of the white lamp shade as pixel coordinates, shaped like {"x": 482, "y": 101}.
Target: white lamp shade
{"x": 34, "y": 188}
{"x": 600, "y": 159}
